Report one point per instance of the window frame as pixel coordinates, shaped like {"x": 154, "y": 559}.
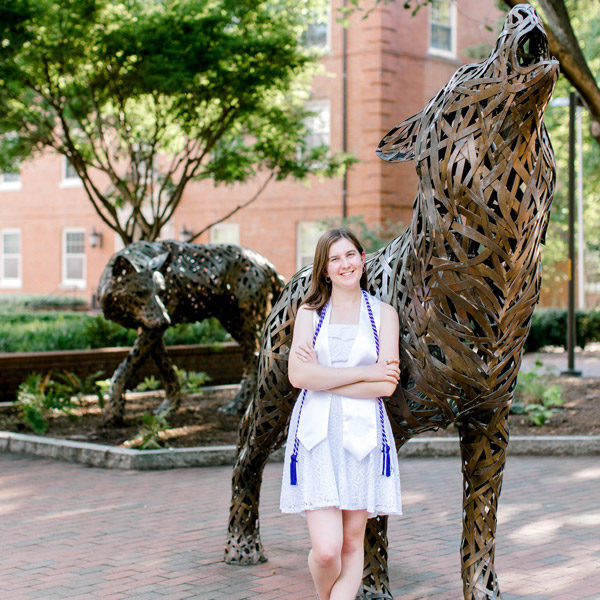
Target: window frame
{"x": 65, "y": 180}
{"x": 300, "y": 255}
{"x": 11, "y": 282}
{"x": 67, "y": 283}
{"x": 442, "y": 52}
{"x": 316, "y": 106}
{"x": 225, "y": 227}
{"x": 10, "y": 186}
{"x": 325, "y": 48}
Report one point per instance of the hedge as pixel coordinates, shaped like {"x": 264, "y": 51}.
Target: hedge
{"x": 22, "y": 331}
{"x": 26, "y": 331}
{"x": 549, "y": 328}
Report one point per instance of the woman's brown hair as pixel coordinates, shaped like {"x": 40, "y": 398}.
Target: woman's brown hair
{"x": 320, "y": 288}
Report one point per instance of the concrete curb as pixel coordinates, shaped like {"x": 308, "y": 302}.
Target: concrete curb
{"x": 111, "y": 457}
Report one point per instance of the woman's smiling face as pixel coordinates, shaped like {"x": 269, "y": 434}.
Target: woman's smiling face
{"x": 345, "y": 264}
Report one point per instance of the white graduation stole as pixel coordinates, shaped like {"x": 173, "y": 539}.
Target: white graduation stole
{"x": 359, "y": 431}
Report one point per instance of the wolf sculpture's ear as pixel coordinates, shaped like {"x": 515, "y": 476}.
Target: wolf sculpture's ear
{"x": 122, "y": 266}
{"x": 160, "y": 262}
{"x": 399, "y": 144}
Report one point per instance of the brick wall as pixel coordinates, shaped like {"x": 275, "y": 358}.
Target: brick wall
{"x": 223, "y": 365}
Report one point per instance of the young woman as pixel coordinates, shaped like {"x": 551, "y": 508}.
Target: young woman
{"x": 341, "y": 466}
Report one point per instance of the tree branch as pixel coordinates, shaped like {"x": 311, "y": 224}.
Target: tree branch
{"x": 239, "y": 207}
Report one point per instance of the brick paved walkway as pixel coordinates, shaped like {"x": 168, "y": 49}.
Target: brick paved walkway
{"x": 68, "y": 531}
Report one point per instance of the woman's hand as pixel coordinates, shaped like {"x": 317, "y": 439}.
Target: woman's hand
{"x": 306, "y": 354}
{"x": 383, "y": 370}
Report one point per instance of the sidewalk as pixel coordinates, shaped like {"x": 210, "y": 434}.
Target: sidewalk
{"x": 587, "y": 361}
{"x": 68, "y": 531}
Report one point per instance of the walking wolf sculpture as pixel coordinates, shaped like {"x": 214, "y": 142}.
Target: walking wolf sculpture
{"x": 464, "y": 278}
{"x": 151, "y": 285}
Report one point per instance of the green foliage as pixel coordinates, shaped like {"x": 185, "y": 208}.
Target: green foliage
{"x": 153, "y": 95}
{"x": 549, "y": 328}
{"x": 102, "y": 388}
{"x": 536, "y": 396}
{"x": 149, "y": 435}
{"x": 23, "y": 331}
{"x": 40, "y": 395}
{"x": 192, "y": 382}
{"x": 149, "y": 384}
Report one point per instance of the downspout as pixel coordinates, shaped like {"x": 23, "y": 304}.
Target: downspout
{"x": 345, "y": 115}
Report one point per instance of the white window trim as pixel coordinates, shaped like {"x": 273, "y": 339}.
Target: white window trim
{"x": 316, "y": 106}
{"x": 230, "y": 227}
{"x": 326, "y": 49}
{"x": 10, "y": 186}
{"x": 453, "y": 22}
{"x": 67, "y": 182}
{"x": 72, "y": 284}
{"x": 299, "y": 253}
{"x": 11, "y": 282}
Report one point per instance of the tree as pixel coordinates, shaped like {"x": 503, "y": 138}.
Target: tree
{"x": 144, "y": 96}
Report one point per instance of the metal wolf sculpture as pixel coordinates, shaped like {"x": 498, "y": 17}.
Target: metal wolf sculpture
{"x": 464, "y": 278}
{"x": 151, "y": 285}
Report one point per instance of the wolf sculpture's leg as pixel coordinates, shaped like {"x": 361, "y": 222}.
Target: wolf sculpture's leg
{"x": 246, "y": 330}
{"x": 375, "y": 583}
{"x": 261, "y": 432}
{"x": 483, "y": 444}
{"x": 167, "y": 373}
{"x": 115, "y": 406}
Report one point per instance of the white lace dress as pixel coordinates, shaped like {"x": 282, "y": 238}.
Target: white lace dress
{"x": 328, "y": 475}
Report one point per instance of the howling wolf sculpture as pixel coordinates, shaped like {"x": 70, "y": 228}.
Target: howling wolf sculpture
{"x": 464, "y": 279}
{"x": 152, "y": 285}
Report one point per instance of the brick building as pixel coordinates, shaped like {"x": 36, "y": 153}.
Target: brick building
{"x": 52, "y": 242}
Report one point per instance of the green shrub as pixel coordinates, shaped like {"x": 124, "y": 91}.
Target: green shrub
{"x": 191, "y": 382}
{"x": 102, "y": 333}
{"x": 152, "y": 425}
{"x": 549, "y": 328}
{"x": 22, "y": 331}
{"x": 149, "y": 384}
{"x": 39, "y": 395}
{"x": 537, "y": 396}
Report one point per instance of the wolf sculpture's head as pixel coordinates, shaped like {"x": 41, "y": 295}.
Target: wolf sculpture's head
{"x": 483, "y": 132}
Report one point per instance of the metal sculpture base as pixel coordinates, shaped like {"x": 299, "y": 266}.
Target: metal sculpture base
{"x": 151, "y": 285}
{"x": 464, "y": 279}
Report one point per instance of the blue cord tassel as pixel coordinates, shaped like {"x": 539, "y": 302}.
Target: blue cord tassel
{"x": 293, "y": 476}
{"x": 386, "y": 467}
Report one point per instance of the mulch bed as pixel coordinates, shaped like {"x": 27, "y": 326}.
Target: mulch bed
{"x": 199, "y": 422}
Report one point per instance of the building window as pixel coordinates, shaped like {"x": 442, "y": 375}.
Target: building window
{"x": 318, "y": 31}
{"x": 68, "y": 174}
{"x": 10, "y": 252}
{"x": 10, "y": 181}
{"x": 442, "y": 27}
{"x": 307, "y": 236}
{"x": 225, "y": 233}
{"x": 73, "y": 267}
{"x": 318, "y": 125}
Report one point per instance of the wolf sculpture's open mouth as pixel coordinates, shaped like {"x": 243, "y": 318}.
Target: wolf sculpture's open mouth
{"x": 532, "y": 48}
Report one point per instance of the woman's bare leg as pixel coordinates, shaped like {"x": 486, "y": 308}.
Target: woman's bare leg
{"x": 324, "y": 559}
{"x": 354, "y": 523}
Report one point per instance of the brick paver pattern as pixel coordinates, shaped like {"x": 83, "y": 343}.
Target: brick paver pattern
{"x": 68, "y": 531}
